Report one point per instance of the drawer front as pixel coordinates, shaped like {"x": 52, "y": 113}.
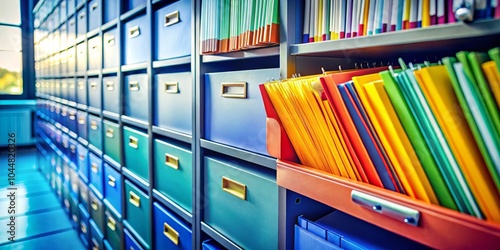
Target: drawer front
{"x": 170, "y": 232}
{"x": 71, "y": 6}
{"x": 110, "y": 48}
{"x": 233, "y": 192}
{"x": 75, "y": 213}
{"x": 81, "y": 57}
{"x": 97, "y": 212}
{"x": 82, "y": 124}
{"x": 96, "y": 236}
{"x": 71, "y": 54}
{"x": 114, "y": 230}
{"x": 96, "y": 175}
{"x": 65, "y": 198}
{"x": 63, "y": 11}
{"x": 173, "y": 171}
{"x": 112, "y": 140}
{"x": 94, "y": 52}
{"x": 130, "y": 242}
{"x": 84, "y": 195}
{"x": 113, "y": 187}
{"x": 136, "y": 91}
{"x": 63, "y": 39}
{"x": 136, "y": 34}
{"x": 83, "y": 168}
{"x": 75, "y": 181}
{"x": 110, "y": 10}
{"x": 94, "y": 14}
{"x": 64, "y": 89}
{"x": 84, "y": 222}
{"x": 135, "y": 146}
{"x": 237, "y": 117}
{"x": 64, "y": 120}
{"x": 174, "y": 101}
{"x": 131, "y": 4}
{"x": 73, "y": 152}
{"x": 94, "y": 90}
{"x": 71, "y": 89}
{"x": 172, "y": 21}
{"x": 137, "y": 212}
{"x": 95, "y": 131}
{"x": 72, "y": 30}
{"x": 81, "y": 22}
{"x": 81, "y": 91}
{"x": 72, "y": 120}
{"x": 111, "y": 94}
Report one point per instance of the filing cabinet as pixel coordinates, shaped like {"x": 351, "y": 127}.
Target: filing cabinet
{"x": 95, "y": 131}
{"x": 94, "y": 92}
{"x": 130, "y": 242}
{"x": 137, "y": 213}
{"x": 110, "y": 48}
{"x": 81, "y": 28}
{"x": 136, "y": 91}
{"x": 136, "y": 40}
{"x": 82, "y": 124}
{"x": 72, "y": 122}
{"x": 94, "y": 14}
{"x": 170, "y": 232}
{"x": 112, "y": 189}
{"x": 110, "y": 10}
{"x": 97, "y": 212}
{"x": 114, "y": 230}
{"x": 81, "y": 57}
{"x": 136, "y": 152}
{"x": 111, "y": 94}
{"x": 112, "y": 140}
{"x": 94, "y": 52}
{"x": 96, "y": 175}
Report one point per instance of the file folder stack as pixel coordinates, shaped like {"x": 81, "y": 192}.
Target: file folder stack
{"x": 232, "y": 25}
{"x": 429, "y": 131}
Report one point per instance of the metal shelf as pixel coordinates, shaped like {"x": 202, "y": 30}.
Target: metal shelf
{"x": 134, "y": 122}
{"x": 162, "y": 199}
{"x": 172, "y": 62}
{"x": 243, "y": 54}
{"x": 172, "y": 134}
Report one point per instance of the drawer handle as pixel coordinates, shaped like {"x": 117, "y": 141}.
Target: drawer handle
{"x": 111, "y": 181}
{"x": 111, "y": 224}
{"x": 133, "y": 85}
{"x": 81, "y": 120}
{"x": 75, "y": 218}
{"x": 110, "y": 85}
{"x": 134, "y": 32}
{"x": 72, "y": 22}
{"x": 66, "y": 203}
{"x": 172, "y": 18}
{"x": 82, "y": 157}
{"x": 404, "y": 214}
{"x": 83, "y": 227}
{"x": 65, "y": 144}
{"x": 134, "y": 199}
{"x": 71, "y": 85}
{"x": 235, "y": 188}
{"x": 110, "y": 132}
{"x": 171, "y": 161}
{"x": 171, "y": 87}
{"x": 73, "y": 149}
{"x": 234, "y": 89}
{"x": 93, "y": 85}
{"x": 133, "y": 142}
{"x": 81, "y": 16}
{"x": 72, "y": 117}
{"x": 171, "y": 234}
{"x": 93, "y": 125}
{"x": 64, "y": 85}
{"x": 74, "y": 187}
{"x": 81, "y": 85}
{"x": 93, "y": 6}
{"x": 111, "y": 41}
{"x": 95, "y": 243}
{"x": 94, "y": 48}
{"x": 94, "y": 205}
{"x": 94, "y": 167}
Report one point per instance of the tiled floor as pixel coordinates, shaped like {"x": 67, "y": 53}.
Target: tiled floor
{"x": 40, "y": 220}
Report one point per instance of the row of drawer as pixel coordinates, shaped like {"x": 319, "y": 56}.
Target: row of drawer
{"x": 173, "y": 20}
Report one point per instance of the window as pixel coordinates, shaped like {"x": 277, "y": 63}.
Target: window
{"x": 11, "y": 78}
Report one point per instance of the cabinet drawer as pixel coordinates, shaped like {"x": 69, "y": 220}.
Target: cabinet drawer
{"x": 173, "y": 171}
{"x": 63, "y": 35}
{"x": 71, "y": 6}
{"x": 64, "y": 64}
{"x": 63, "y": 11}
{"x": 136, "y": 91}
{"x": 113, "y": 188}
{"x": 64, "y": 89}
{"x": 84, "y": 195}
{"x": 130, "y": 242}
{"x": 73, "y": 152}
{"x": 81, "y": 22}
{"x": 97, "y": 211}
{"x": 95, "y": 131}
{"x": 131, "y": 4}
{"x": 81, "y": 57}
{"x": 114, "y": 230}
{"x": 136, "y": 43}
{"x": 75, "y": 213}
{"x": 72, "y": 121}
{"x": 65, "y": 197}
{"x": 174, "y": 101}
{"x": 170, "y": 232}
{"x": 173, "y": 21}
{"x": 110, "y": 48}
{"x": 81, "y": 91}
{"x": 71, "y": 55}
{"x": 234, "y": 191}
{"x": 83, "y": 169}
{"x": 137, "y": 213}
{"x": 96, "y": 175}
{"x": 94, "y": 14}
{"x": 237, "y": 117}
{"x": 135, "y": 144}
{"x": 111, "y": 94}
{"x": 71, "y": 89}
{"x": 82, "y": 118}
{"x": 211, "y": 245}
{"x": 84, "y": 223}
{"x": 112, "y": 140}
{"x": 74, "y": 183}
{"x": 94, "y": 52}
{"x": 96, "y": 236}
{"x": 94, "y": 90}
{"x": 63, "y": 118}
{"x": 71, "y": 30}
{"x": 110, "y": 10}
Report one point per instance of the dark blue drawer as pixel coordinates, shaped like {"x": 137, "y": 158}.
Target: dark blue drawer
{"x": 96, "y": 236}
{"x": 84, "y": 223}
{"x": 136, "y": 43}
{"x": 71, "y": 30}
{"x": 83, "y": 169}
{"x": 172, "y": 36}
{"x": 81, "y": 91}
{"x": 136, "y": 91}
{"x": 94, "y": 90}
{"x": 71, "y": 6}
{"x": 131, "y": 4}
{"x": 130, "y": 242}
{"x": 110, "y": 10}
{"x": 110, "y": 48}
{"x": 81, "y": 57}
{"x": 96, "y": 175}
{"x": 111, "y": 94}
{"x": 211, "y": 245}
{"x": 113, "y": 188}
{"x": 170, "y": 232}
{"x": 237, "y": 117}
{"x": 73, "y": 155}
{"x": 94, "y": 14}
{"x": 71, "y": 55}
{"x": 72, "y": 120}
{"x": 82, "y": 125}
{"x": 81, "y": 22}
{"x": 94, "y": 53}
{"x": 95, "y": 131}
{"x": 174, "y": 101}
{"x": 84, "y": 194}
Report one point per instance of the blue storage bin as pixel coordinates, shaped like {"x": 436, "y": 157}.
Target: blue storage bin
{"x": 170, "y": 232}
{"x": 305, "y": 240}
{"x": 83, "y": 168}
{"x": 96, "y": 175}
{"x": 130, "y": 241}
{"x": 174, "y": 94}
{"x": 81, "y": 57}
{"x": 94, "y": 14}
{"x": 71, "y": 30}
{"x": 71, "y": 55}
{"x": 94, "y": 52}
{"x": 173, "y": 20}
{"x": 237, "y": 117}
{"x": 112, "y": 188}
{"x": 110, "y": 10}
{"x": 136, "y": 42}
{"x": 136, "y": 92}
{"x": 132, "y": 4}
{"x": 81, "y": 28}
{"x": 110, "y": 48}
{"x": 94, "y": 92}
{"x": 95, "y": 131}
{"x": 111, "y": 94}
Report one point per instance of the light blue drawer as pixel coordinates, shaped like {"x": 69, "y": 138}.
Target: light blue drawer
{"x": 173, "y": 171}
{"x": 136, "y": 91}
{"x": 71, "y": 55}
{"x": 130, "y": 242}
{"x": 83, "y": 169}
{"x": 111, "y": 94}
{"x": 112, "y": 141}
{"x": 110, "y": 48}
{"x": 113, "y": 188}
{"x": 135, "y": 144}
{"x": 94, "y": 14}
{"x": 63, "y": 11}
{"x": 173, "y": 20}
{"x": 110, "y": 10}
{"x": 114, "y": 230}
{"x": 94, "y": 52}
{"x": 237, "y": 117}
{"x": 75, "y": 213}
{"x": 131, "y": 4}
{"x": 75, "y": 181}
{"x": 96, "y": 175}
{"x": 81, "y": 22}
{"x": 82, "y": 124}
{"x": 97, "y": 212}
{"x": 94, "y": 92}
{"x": 170, "y": 232}
{"x": 236, "y": 189}
{"x": 96, "y": 236}
{"x": 71, "y": 6}
{"x": 71, "y": 30}
{"x": 174, "y": 101}
{"x": 136, "y": 43}
{"x": 84, "y": 229}
{"x": 138, "y": 213}
{"x": 95, "y": 131}
{"x": 81, "y": 57}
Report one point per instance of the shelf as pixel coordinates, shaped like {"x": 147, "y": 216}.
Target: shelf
{"x": 135, "y": 179}
{"x": 81, "y": 107}
{"x": 111, "y": 162}
{"x": 132, "y": 13}
{"x": 241, "y": 154}
{"x": 172, "y": 134}
{"x": 110, "y": 70}
{"x": 439, "y": 227}
{"x": 94, "y": 111}
{"x": 134, "y": 122}
{"x": 94, "y": 72}
{"x": 435, "y": 39}
{"x": 133, "y": 67}
{"x": 243, "y": 54}
{"x": 219, "y": 237}
{"x": 172, "y": 206}
{"x": 95, "y": 150}
{"x": 83, "y": 141}
{"x": 93, "y": 33}
{"x": 110, "y": 115}
{"x": 172, "y": 62}
{"x": 109, "y": 25}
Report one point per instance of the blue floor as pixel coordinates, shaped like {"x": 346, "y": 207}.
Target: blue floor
{"x": 40, "y": 221}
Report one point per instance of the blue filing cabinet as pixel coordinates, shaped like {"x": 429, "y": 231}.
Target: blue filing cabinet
{"x": 111, "y": 94}
{"x": 138, "y": 213}
{"x": 110, "y": 48}
{"x": 83, "y": 194}
{"x": 136, "y": 40}
{"x": 112, "y": 189}
{"x": 94, "y": 52}
{"x": 94, "y": 92}
{"x": 84, "y": 224}
{"x": 110, "y": 10}
{"x": 136, "y": 92}
{"x": 96, "y": 175}
{"x": 170, "y": 232}
{"x": 94, "y": 14}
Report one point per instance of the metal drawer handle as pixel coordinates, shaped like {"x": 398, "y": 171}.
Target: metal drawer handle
{"x": 171, "y": 161}
{"x": 93, "y": 85}
{"x": 133, "y": 142}
{"x": 172, "y": 18}
{"x": 110, "y": 132}
{"x": 111, "y": 223}
{"x": 110, "y": 85}
{"x": 74, "y": 187}
{"x": 134, "y": 32}
{"x": 93, "y": 125}
{"x": 95, "y": 243}
{"x": 171, "y": 87}
{"x": 83, "y": 227}
{"x": 81, "y": 16}
{"x": 111, "y": 181}
{"x": 94, "y": 205}
{"x": 94, "y": 167}
{"x": 171, "y": 234}
{"x": 111, "y": 41}
{"x": 134, "y": 199}
{"x": 81, "y": 85}
{"x": 81, "y": 120}
{"x": 133, "y": 85}
{"x": 235, "y": 188}
{"x": 94, "y": 6}
{"x": 234, "y": 89}
{"x": 65, "y": 144}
